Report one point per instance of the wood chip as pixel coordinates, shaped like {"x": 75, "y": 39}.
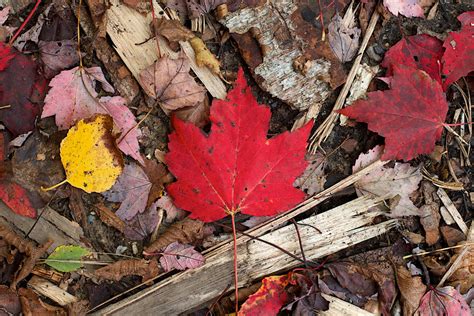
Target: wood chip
{"x": 51, "y": 291}
{"x": 452, "y": 209}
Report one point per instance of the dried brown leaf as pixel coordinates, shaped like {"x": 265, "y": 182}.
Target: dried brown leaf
{"x": 9, "y": 301}
{"x": 168, "y": 80}
{"x": 158, "y": 176}
{"x": 198, "y": 114}
{"x": 313, "y": 178}
{"x": 451, "y": 235}
{"x": 411, "y": 288}
{"x": 110, "y": 218}
{"x": 173, "y": 30}
{"x": 187, "y": 231}
{"x": 117, "y": 270}
{"x": 464, "y": 275}
{"x": 429, "y": 213}
{"x": 31, "y": 305}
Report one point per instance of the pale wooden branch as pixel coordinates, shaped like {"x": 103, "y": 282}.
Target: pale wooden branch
{"x": 48, "y": 289}
{"x": 452, "y": 210}
{"x": 50, "y": 226}
{"x": 326, "y": 127}
{"x": 336, "y": 229}
{"x": 338, "y": 307}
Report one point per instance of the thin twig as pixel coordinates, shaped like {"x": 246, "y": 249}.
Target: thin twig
{"x": 300, "y": 242}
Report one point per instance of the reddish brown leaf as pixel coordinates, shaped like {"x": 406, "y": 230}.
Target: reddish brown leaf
{"x": 410, "y": 115}
{"x": 421, "y": 51}
{"x": 269, "y": 298}
{"x": 444, "y": 301}
{"x": 187, "y": 231}
{"x": 117, "y": 270}
{"x": 181, "y": 257}
{"x": 23, "y": 95}
{"x": 131, "y": 189}
{"x": 168, "y": 80}
{"x": 235, "y": 168}
{"x": 458, "y": 60}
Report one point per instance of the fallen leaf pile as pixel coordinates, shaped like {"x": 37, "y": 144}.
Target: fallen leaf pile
{"x": 166, "y": 171}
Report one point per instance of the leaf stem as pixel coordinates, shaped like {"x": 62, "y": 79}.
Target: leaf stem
{"x": 79, "y": 34}
{"x": 54, "y": 186}
{"x": 5, "y": 107}
{"x": 457, "y": 124}
{"x": 22, "y": 26}
{"x": 236, "y": 276}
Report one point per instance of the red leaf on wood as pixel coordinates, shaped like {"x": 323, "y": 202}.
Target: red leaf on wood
{"x": 15, "y": 197}
{"x": 458, "y": 60}
{"x": 410, "y": 115}
{"x": 421, "y": 51}
{"x": 23, "y": 94}
{"x": 235, "y": 168}
{"x": 269, "y": 298}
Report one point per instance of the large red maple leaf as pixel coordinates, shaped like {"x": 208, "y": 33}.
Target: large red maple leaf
{"x": 458, "y": 60}
{"x": 418, "y": 51}
{"x": 235, "y": 168}
{"x": 410, "y": 115}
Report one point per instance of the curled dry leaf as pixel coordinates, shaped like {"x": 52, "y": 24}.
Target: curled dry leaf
{"x": 158, "y": 175}
{"x": 429, "y": 213}
{"x": 72, "y": 97}
{"x": 343, "y": 38}
{"x": 463, "y": 276}
{"x": 187, "y": 231}
{"x": 269, "y": 298}
{"x": 90, "y": 155}
{"x": 411, "y": 289}
{"x": 198, "y": 114}
{"x": 31, "y": 304}
{"x": 110, "y": 218}
{"x": 401, "y": 180}
{"x": 131, "y": 189}
{"x": 173, "y": 30}
{"x": 117, "y": 270}
{"x": 168, "y": 81}
{"x": 443, "y": 301}
{"x": 181, "y": 257}
{"x": 204, "y": 58}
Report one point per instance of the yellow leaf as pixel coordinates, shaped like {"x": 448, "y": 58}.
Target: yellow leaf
{"x": 204, "y": 57}
{"x": 90, "y": 155}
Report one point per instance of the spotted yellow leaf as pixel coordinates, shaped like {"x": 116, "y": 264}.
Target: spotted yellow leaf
{"x": 90, "y": 155}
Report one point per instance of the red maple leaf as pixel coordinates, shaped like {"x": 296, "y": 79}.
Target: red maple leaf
{"x": 422, "y": 51}
{"x": 458, "y": 60}
{"x": 235, "y": 168}
{"x": 410, "y": 115}
{"x": 21, "y": 90}
{"x": 269, "y": 298}
{"x": 16, "y": 198}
